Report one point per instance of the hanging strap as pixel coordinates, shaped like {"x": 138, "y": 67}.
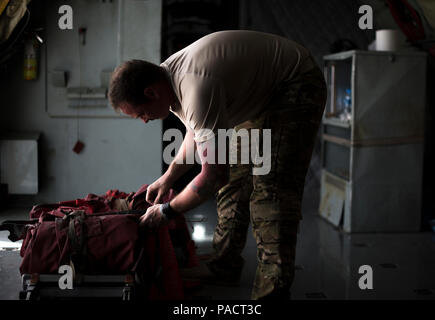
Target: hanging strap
{"x": 78, "y": 240}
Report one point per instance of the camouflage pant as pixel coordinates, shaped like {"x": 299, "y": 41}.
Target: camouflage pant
{"x": 272, "y": 202}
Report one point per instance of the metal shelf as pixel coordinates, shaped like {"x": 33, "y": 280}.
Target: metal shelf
{"x": 380, "y": 150}
{"x": 332, "y": 121}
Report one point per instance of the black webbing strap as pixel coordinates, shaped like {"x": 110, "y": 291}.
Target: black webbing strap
{"x": 141, "y": 212}
{"x": 78, "y": 241}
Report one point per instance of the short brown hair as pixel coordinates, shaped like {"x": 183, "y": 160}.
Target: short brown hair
{"x": 129, "y": 80}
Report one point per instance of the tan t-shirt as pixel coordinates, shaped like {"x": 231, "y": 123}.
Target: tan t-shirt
{"x": 227, "y": 77}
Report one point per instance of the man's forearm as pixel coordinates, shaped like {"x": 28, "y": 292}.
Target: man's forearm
{"x": 175, "y": 171}
{"x": 179, "y": 165}
{"x": 205, "y": 185}
{"x": 212, "y": 177}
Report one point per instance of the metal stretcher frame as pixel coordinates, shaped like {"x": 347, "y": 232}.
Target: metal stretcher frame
{"x": 46, "y": 286}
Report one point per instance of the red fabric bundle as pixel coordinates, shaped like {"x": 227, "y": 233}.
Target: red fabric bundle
{"x": 111, "y": 245}
{"x": 114, "y": 243}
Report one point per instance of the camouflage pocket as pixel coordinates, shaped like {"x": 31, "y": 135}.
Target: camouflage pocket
{"x": 275, "y": 231}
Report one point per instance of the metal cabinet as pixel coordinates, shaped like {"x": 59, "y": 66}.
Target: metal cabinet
{"x": 372, "y": 141}
{"x": 19, "y": 162}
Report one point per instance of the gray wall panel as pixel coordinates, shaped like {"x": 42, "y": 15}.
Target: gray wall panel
{"x": 119, "y": 152}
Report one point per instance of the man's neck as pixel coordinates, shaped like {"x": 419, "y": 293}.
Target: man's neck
{"x": 175, "y": 104}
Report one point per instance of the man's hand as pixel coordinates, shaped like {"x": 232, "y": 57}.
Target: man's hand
{"x": 153, "y": 217}
{"x": 157, "y": 190}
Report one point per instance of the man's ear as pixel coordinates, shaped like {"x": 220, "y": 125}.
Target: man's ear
{"x": 150, "y": 93}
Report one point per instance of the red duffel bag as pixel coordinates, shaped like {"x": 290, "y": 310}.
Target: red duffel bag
{"x": 101, "y": 243}
{"x": 107, "y": 242}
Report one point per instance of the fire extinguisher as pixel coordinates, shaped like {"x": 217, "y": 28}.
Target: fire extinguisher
{"x": 31, "y": 46}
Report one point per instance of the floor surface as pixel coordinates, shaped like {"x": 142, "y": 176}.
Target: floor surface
{"x": 327, "y": 263}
